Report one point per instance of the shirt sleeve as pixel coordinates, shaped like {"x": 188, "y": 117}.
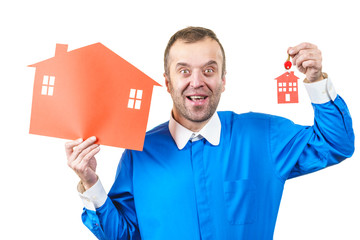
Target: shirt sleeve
{"x": 113, "y": 216}
{"x": 94, "y": 197}
{"x": 321, "y": 91}
{"x": 298, "y": 150}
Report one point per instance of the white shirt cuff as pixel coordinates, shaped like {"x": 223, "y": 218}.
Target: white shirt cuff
{"x": 321, "y": 92}
{"x": 94, "y": 197}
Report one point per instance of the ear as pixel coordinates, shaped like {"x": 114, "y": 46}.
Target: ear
{"x": 223, "y": 80}
{"x": 167, "y": 82}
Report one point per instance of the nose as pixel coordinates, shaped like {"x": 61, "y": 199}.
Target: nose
{"x": 196, "y": 79}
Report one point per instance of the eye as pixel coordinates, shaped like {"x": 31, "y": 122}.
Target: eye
{"x": 184, "y": 71}
{"x": 209, "y": 70}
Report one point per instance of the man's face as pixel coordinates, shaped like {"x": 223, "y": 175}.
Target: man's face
{"x": 195, "y": 82}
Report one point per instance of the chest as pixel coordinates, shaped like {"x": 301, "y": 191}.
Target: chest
{"x": 168, "y": 173}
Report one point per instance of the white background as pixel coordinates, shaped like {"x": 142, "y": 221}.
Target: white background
{"x": 38, "y": 191}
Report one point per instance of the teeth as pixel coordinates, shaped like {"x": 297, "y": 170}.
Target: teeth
{"x": 196, "y": 98}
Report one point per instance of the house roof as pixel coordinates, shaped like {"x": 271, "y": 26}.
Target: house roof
{"x": 287, "y": 77}
{"x": 96, "y": 52}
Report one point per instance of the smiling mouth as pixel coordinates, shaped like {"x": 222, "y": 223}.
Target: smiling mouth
{"x": 196, "y": 98}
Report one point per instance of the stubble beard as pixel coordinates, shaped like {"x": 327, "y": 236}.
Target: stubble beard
{"x": 196, "y": 114}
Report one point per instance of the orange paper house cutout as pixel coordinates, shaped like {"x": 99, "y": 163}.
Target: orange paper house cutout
{"x": 287, "y": 88}
{"x": 91, "y": 91}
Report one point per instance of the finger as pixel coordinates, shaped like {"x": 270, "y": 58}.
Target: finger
{"x": 302, "y": 46}
{"x": 83, "y": 166}
{"x": 308, "y": 55}
{"x": 75, "y": 163}
{"x": 311, "y": 64}
{"x": 70, "y": 145}
{"x": 90, "y": 155}
{"x": 79, "y": 148}
{"x": 86, "y": 151}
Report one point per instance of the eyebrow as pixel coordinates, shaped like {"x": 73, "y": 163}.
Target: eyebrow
{"x": 183, "y": 64}
{"x": 211, "y": 62}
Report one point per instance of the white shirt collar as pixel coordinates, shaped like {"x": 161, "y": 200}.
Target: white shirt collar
{"x": 181, "y": 135}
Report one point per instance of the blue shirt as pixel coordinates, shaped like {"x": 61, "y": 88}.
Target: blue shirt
{"x": 229, "y": 191}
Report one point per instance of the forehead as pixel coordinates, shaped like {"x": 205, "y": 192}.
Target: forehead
{"x": 195, "y": 53}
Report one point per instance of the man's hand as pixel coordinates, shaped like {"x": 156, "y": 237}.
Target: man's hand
{"x": 307, "y": 58}
{"x": 80, "y": 155}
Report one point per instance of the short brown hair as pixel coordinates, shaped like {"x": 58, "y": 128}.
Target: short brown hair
{"x": 192, "y": 35}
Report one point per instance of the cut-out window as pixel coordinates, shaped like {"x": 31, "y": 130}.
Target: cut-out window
{"x": 48, "y": 85}
{"x": 135, "y": 98}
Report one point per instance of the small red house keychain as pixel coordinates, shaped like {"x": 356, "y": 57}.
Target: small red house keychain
{"x": 287, "y": 86}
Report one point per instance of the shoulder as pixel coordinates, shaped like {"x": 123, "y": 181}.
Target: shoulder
{"x": 157, "y": 135}
{"x": 152, "y": 137}
{"x": 158, "y": 130}
{"x": 250, "y": 119}
{"x": 230, "y": 117}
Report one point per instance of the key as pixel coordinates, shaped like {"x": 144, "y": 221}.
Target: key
{"x": 288, "y": 63}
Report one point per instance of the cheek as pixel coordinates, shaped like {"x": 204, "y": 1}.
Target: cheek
{"x": 176, "y": 85}
{"x": 216, "y": 85}
{"x": 169, "y": 85}
{"x": 171, "y": 88}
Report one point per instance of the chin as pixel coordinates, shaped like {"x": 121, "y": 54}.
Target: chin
{"x": 200, "y": 118}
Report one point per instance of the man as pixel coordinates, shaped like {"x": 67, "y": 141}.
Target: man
{"x": 208, "y": 175}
